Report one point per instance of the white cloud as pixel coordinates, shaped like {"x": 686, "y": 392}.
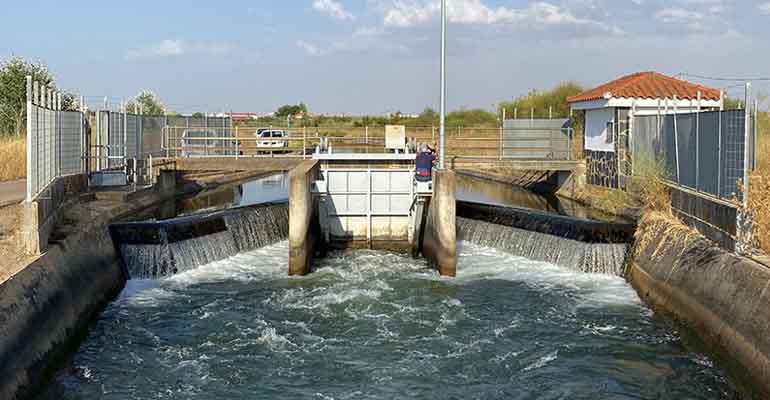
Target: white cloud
{"x": 177, "y": 47}
{"x": 164, "y": 48}
{"x": 692, "y": 20}
{"x": 310, "y": 49}
{"x": 764, "y": 8}
{"x": 539, "y": 14}
{"x": 333, "y": 9}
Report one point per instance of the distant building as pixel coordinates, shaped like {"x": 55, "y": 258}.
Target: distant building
{"x": 246, "y": 116}
{"x": 608, "y": 106}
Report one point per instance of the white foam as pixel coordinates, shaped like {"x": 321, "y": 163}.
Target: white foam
{"x": 266, "y": 263}
{"x": 542, "y": 361}
{"x": 595, "y": 290}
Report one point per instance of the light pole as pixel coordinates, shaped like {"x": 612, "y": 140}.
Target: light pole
{"x": 442, "y": 147}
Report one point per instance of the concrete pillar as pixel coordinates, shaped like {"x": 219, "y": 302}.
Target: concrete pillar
{"x": 303, "y": 218}
{"x": 166, "y": 182}
{"x": 440, "y": 240}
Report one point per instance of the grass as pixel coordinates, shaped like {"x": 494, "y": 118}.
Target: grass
{"x": 759, "y": 195}
{"x": 13, "y": 159}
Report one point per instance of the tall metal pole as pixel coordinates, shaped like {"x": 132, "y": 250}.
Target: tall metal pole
{"x": 442, "y": 143}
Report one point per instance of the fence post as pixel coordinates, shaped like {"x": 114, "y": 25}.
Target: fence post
{"x": 502, "y": 127}
{"x": 550, "y": 112}
{"x": 755, "y": 138}
{"x": 746, "y": 149}
{"x": 676, "y": 142}
{"x": 719, "y": 147}
{"x": 304, "y": 142}
{"x": 366, "y": 138}
{"x": 697, "y": 143}
{"x": 58, "y": 133}
{"x": 29, "y": 137}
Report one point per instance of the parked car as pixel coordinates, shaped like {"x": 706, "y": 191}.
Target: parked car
{"x": 271, "y": 140}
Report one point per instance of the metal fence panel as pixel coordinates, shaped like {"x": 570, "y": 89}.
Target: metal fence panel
{"x": 708, "y": 150}
{"x": 687, "y": 152}
{"x": 152, "y": 136}
{"x": 733, "y": 152}
{"x": 72, "y": 145}
{"x": 536, "y": 138}
{"x": 704, "y": 151}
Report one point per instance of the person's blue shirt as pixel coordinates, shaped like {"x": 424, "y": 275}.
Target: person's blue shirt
{"x": 424, "y": 163}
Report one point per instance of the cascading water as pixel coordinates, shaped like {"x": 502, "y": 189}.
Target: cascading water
{"x": 375, "y": 325}
{"x": 158, "y": 249}
{"x": 602, "y": 258}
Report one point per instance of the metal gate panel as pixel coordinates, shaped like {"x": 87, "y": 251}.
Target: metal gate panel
{"x": 367, "y": 204}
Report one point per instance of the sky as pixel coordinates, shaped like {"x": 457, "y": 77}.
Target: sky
{"x": 376, "y": 56}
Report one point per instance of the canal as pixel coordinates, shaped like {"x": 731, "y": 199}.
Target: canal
{"x": 377, "y": 325}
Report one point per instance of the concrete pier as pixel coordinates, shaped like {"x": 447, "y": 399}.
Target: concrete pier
{"x": 440, "y": 237}
{"x": 304, "y": 231}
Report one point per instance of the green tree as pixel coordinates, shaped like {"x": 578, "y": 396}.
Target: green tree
{"x": 287, "y": 110}
{"x": 543, "y": 103}
{"x": 198, "y": 115}
{"x": 13, "y": 91}
{"x": 70, "y": 102}
{"x": 472, "y": 117}
{"x": 147, "y": 103}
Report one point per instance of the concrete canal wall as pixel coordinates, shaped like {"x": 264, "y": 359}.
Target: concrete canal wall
{"x": 723, "y": 298}
{"x": 304, "y": 232}
{"x": 440, "y": 234}
{"x": 46, "y": 308}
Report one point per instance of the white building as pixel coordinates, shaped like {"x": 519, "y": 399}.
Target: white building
{"x": 608, "y": 106}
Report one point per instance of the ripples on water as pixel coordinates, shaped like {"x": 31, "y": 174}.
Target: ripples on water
{"x": 378, "y": 325}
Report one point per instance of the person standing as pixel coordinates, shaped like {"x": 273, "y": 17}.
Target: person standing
{"x": 424, "y": 164}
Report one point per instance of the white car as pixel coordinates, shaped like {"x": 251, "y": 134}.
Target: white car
{"x": 270, "y": 139}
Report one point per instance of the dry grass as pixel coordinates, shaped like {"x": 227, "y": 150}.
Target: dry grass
{"x": 759, "y": 196}
{"x": 13, "y": 159}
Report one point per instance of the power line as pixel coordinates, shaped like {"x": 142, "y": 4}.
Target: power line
{"x": 714, "y": 78}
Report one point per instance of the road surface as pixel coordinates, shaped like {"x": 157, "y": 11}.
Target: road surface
{"x": 12, "y": 192}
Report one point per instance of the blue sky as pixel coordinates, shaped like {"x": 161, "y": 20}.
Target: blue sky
{"x": 374, "y": 56}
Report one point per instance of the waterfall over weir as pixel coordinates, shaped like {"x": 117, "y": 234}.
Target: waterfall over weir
{"x": 159, "y": 249}
{"x": 582, "y": 245}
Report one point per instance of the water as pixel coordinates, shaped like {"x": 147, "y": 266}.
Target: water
{"x": 484, "y": 191}
{"x": 158, "y": 249}
{"x": 271, "y": 188}
{"x": 371, "y": 325}
{"x": 599, "y": 258}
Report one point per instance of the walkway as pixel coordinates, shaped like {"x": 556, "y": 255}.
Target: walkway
{"x": 12, "y": 192}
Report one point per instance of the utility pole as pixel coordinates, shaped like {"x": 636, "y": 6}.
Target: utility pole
{"x": 442, "y": 143}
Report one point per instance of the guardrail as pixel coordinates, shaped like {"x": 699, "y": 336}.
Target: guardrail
{"x": 491, "y": 143}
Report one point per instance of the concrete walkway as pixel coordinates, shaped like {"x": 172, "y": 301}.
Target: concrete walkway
{"x": 12, "y": 192}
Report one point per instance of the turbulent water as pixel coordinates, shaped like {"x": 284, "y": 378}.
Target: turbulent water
{"x": 600, "y": 258}
{"x": 371, "y": 325}
{"x": 242, "y": 229}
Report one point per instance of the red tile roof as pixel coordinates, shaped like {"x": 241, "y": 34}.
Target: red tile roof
{"x": 648, "y": 85}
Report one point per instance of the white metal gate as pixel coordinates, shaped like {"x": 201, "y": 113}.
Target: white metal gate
{"x": 367, "y": 205}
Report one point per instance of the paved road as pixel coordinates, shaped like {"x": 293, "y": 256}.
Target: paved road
{"x": 12, "y": 192}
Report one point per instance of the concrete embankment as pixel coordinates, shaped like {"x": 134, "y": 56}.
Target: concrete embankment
{"x": 723, "y": 298}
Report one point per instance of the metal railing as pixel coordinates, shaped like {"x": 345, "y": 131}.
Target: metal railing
{"x": 461, "y": 142}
